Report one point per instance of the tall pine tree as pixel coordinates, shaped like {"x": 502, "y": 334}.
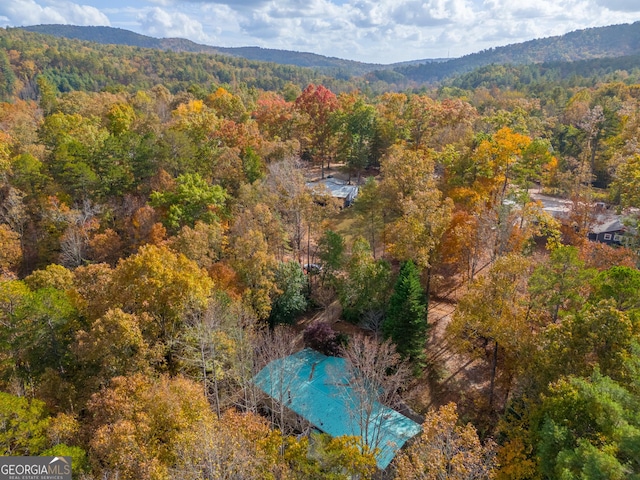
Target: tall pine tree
{"x": 7, "y": 78}
{"x": 406, "y": 321}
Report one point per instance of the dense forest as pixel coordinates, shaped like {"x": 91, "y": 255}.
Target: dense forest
{"x": 161, "y": 245}
{"x": 75, "y": 65}
{"x": 589, "y": 44}
{"x": 110, "y": 35}
{"x": 586, "y": 53}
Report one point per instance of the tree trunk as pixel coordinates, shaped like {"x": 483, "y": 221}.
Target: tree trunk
{"x": 215, "y": 380}
{"x": 427, "y": 288}
{"x": 494, "y": 365}
{"x": 373, "y": 234}
{"x": 384, "y": 233}
{"x": 309, "y": 257}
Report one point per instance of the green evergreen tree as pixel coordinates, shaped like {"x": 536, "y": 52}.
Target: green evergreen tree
{"x": 47, "y": 94}
{"x": 7, "y": 78}
{"x": 252, "y": 165}
{"x": 589, "y": 429}
{"x": 406, "y": 321}
{"x": 290, "y": 299}
{"x": 364, "y": 291}
{"x": 331, "y": 250}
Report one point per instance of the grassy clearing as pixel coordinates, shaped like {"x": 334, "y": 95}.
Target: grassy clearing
{"x": 345, "y": 223}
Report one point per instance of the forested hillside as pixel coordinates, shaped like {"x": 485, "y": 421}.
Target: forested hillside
{"x": 162, "y": 243}
{"x": 118, "y": 36}
{"x": 559, "y": 52}
{"x": 75, "y": 65}
{"x": 591, "y": 43}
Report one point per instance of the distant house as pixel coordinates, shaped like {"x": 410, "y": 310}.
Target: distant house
{"x": 338, "y": 189}
{"x": 558, "y": 208}
{"x": 610, "y": 231}
{"x": 607, "y": 227}
{"x": 316, "y": 388}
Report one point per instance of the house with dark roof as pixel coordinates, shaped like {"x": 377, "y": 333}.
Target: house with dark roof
{"x": 609, "y": 231}
{"x": 606, "y": 227}
{"x": 316, "y": 388}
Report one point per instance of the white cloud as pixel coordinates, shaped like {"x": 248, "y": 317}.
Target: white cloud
{"x": 235, "y": 4}
{"x": 161, "y": 23}
{"x": 84, "y": 15}
{"x": 28, "y": 12}
{"x": 394, "y": 30}
{"x": 431, "y": 13}
{"x": 381, "y": 31}
{"x": 502, "y": 22}
{"x": 620, "y": 5}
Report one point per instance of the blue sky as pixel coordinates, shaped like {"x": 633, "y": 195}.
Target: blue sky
{"x": 383, "y": 31}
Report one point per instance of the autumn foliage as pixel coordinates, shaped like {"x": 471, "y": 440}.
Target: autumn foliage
{"x": 155, "y": 237}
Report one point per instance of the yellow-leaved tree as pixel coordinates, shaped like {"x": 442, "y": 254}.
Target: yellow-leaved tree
{"x": 139, "y": 425}
{"x": 164, "y": 287}
{"x": 446, "y": 450}
{"x": 420, "y": 213}
{"x": 492, "y": 321}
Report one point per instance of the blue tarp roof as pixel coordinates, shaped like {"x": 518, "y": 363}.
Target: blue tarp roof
{"x": 316, "y": 387}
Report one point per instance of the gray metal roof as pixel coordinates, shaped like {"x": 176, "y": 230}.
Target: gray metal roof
{"x": 605, "y": 221}
{"x": 337, "y": 188}
{"x": 608, "y": 224}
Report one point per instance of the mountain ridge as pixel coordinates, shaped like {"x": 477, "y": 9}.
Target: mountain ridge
{"x": 592, "y": 43}
{"x": 120, "y": 36}
{"x": 586, "y": 44}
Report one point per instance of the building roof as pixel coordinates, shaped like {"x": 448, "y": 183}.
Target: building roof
{"x": 604, "y": 221}
{"x": 558, "y": 208}
{"x": 316, "y": 387}
{"x": 337, "y": 188}
{"x": 608, "y": 224}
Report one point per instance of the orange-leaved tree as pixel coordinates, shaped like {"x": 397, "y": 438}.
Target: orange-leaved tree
{"x": 446, "y": 450}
